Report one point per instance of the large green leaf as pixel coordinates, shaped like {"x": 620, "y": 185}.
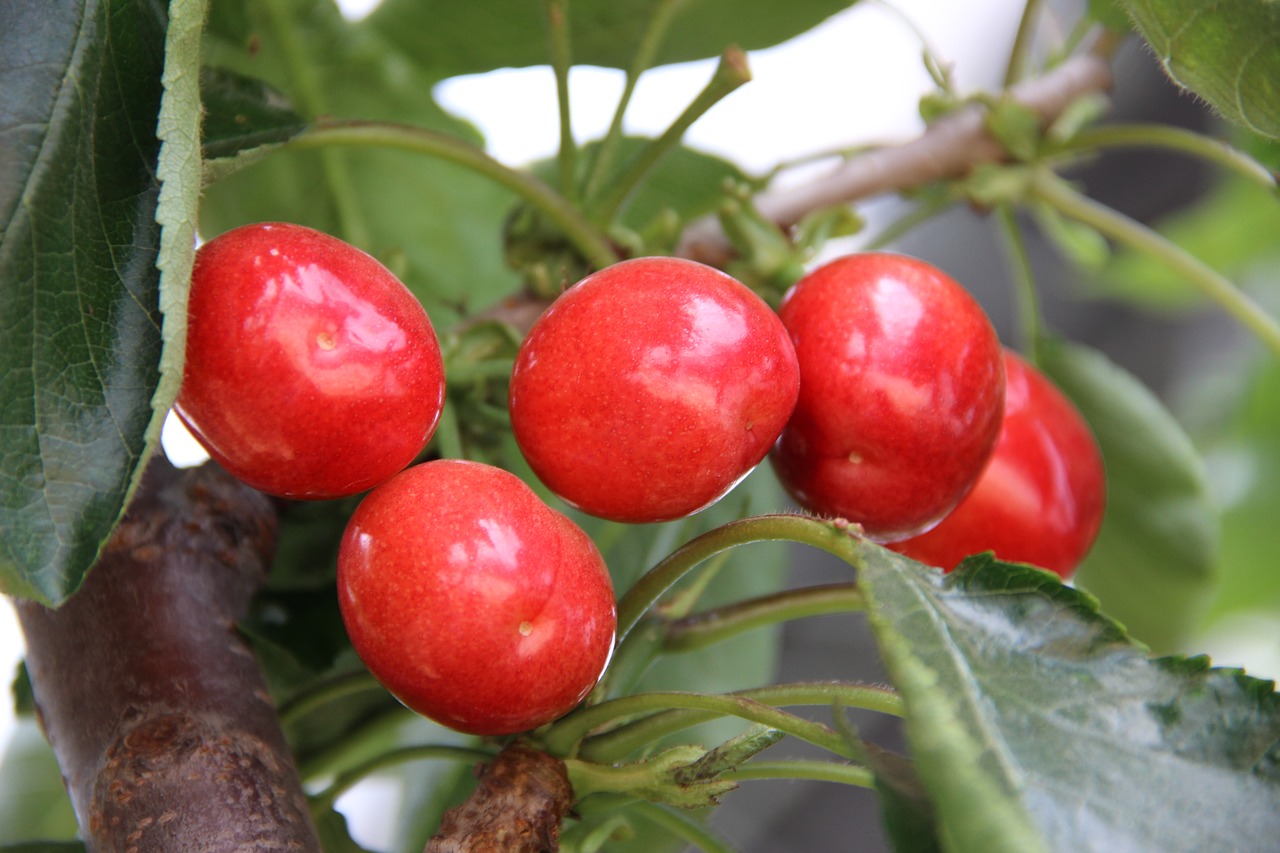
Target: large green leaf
{"x": 1155, "y": 564}
{"x": 461, "y": 37}
{"x": 80, "y": 340}
{"x": 434, "y": 223}
{"x": 1226, "y": 52}
{"x": 1037, "y": 724}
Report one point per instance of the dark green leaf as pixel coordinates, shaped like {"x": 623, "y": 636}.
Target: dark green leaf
{"x": 435, "y": 224}
{"x": 1226, "y": 52}
{"x": 45, "y": 847}
{"x": 1110, "y": 14}
{"x": 908, "y": 815}
{"x": 242, "y": 114}
{"x": 1155, "y": 563}
{"x": 1037, "y": 724}
{"x": 459, "y": 37}
{"x": 33, "y": 802}
{"x": 80, "y": 88}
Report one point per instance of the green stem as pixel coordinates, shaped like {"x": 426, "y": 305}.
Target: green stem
{"x": 589, "y": 240}
{"x": 330, "y": 690}
{"x": 1175, "y": 139}
{"x": 489, "y": 368}
{"x": 835, "y": 537}
{"x": 654, "y": 33}
{"x": 817, "y": 771}
{"x": 324, "y": 800}
{"x": 1022, "y": 43}
{"x": 714, "y": 626}
{"x": 561, "y": 61}
{"x": 1052, "y": 190}
{"x": 1031, "y": 321}
{"x": 673, "y": 712}
{"x": 731, "y": 72}
{"x": 311, "y": 99}
{"x": 680, "y": 825}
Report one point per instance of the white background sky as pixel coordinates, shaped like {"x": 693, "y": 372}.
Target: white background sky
{"x": 855, "y": 79}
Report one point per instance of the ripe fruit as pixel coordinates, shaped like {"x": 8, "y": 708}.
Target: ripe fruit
{"x": 311, "y": 371}
{"x": 1040, "y": 499}
{"x": 901, "y": 393}
{"x": 650, "y": 388}
{"x": 472, "y": 601}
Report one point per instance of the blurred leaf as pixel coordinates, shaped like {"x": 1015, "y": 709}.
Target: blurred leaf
{"x": 33, "y": 801}
{"x": 1211, "y": 231}
{"x": 44, "y": 847}
{"x": 905, "y": 809}
{"x": 1239, "y": 461}
{"x": 1155, "y": 563}
{"x": 459, "y": 37}
{"x": 1110, "y": 14}
{"x": 79, "y": 290}
{"x": 24, "y": 698}
{"x": 1084, "y": 246}
{"x": 1037, "y": 724}
{"x": 1227, "y": 52}
{"x": 435, "y": 224}
{"x": 331, "y": 828}
{"x": 242, "y": 114}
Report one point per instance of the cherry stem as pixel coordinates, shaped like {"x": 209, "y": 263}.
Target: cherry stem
{"x": 834, "y": 537}
{"x": 325, "y": 800}
{"x": 561, "y": 61}
{"x": 654, "y": 33}
{"x": 817, "y": 771}
{"x": 310, "y": 98}
{"x": 681, "y": 825}
{"x": 326, "y": 691}
{"x": 1015, "y": 70}
{"x": 1024, "y": 283}
{"x": 673, "y": 712}
{"x": 589, "y": 240}
{"x": 712, "y": 626}
{"x": 565, "y": 736}
{"x": 731, "y": 72}
{"x": 1051, "y": 189}
{"x": 1172, "y": 138}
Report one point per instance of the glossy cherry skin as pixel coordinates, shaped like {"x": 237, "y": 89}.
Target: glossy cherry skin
{"x": 901, "y": 393}
{"x": 650, "y": 388}
{"x": 311, "y": 371}
{"x": 1042, "y": 495}
{"x": 472, "y": 601}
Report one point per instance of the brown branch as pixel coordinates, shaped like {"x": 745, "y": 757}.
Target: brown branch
{"x": 156, "y": 709}
{"x": 522, "y": 797}
{"x": 948, "y": 148}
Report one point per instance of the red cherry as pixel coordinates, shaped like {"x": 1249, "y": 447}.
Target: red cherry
{"x": 650, "y": 388}
{"x": 311, "y": 371}
{"x": 1040, "y": 499}
{"x": 473, "y": 602}
{"x": 901, "y": 392}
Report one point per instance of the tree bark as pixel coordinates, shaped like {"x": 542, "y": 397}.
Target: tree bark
{"x": 155, "y": 707}
{"x": 523, "y": 796}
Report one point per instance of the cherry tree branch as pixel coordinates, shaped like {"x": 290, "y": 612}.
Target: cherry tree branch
{"x": 948, "y": 148}
{"x": 155, "y": 707}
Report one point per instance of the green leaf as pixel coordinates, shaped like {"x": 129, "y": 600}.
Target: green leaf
{"x": 33, "y": 801}
{"x": 331, "y": 828}
{"x": 242, "y": 114}
{"x": 460, "y": 37}
{"x": 1037, "y": 724}
{"x": 435, "y": 224}
{"x": 45, "y": 847}
{"x": 1226, "y": 52}
{"x": 1155, "y": 563}
{"x": 80, "y": 89}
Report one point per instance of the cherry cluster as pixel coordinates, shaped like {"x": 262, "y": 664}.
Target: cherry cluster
{"x": 879, "y": 391}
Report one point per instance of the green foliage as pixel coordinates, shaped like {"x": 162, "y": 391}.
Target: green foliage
{"x": 79, "y": 291}
{"x": 1227, "y": 53}
{"x": 33, "y": 803}
{"x": 459, "y": 37}
{"x": 1156, "y": 560}
{"x": 1037, "y": 724}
